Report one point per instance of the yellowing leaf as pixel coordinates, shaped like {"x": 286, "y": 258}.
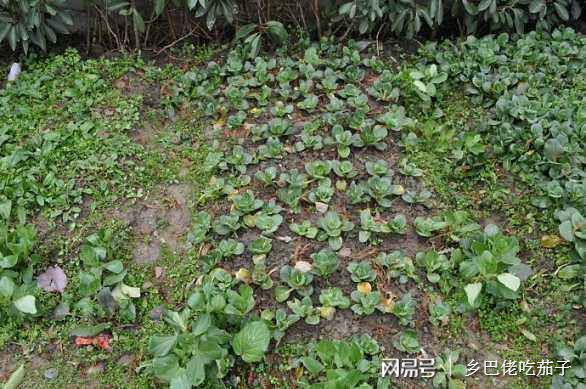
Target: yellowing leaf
{"x": 550, "y": 241}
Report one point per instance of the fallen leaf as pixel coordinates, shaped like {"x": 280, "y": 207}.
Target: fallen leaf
{"x": 101, "y": 341}
{"x": 303, "y": 266}
{"x": 529, "y": 335}
{"x": 52, "y": 280}
{"x": 321, "y": 207}
{"x": 15, "y": 379}
{"x": 550, "y": 241}
{"x": 345, "y": 252}
{"x": 61, "y": 311}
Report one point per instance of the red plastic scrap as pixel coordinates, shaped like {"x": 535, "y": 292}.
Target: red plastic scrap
{"x": 100, "y": 341}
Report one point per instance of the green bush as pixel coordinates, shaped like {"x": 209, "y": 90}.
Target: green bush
{"x": 407, "y": 17}
{"x": 158, "y": 22}
{"x": 26, "y": 21}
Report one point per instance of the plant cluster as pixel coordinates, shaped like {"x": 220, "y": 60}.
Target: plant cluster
{"x": 134, "y": 24}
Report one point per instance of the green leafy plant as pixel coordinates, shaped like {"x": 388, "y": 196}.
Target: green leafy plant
{"x": 395, "y": 118}
{"x": 460, "y": 224}
{"x": 439, "y": 312}
{"x": 366, "y": 303}
{"x": 434, "y": 263}
{"x": 226, "y": 224}
{"x": 331, "y": 226}
{"x": 305, "y": 309}
{"x": 259, "y": 274}
{"x": 305, "y": 228}
{"x": 322, "y": 193}
{"x": 280, "y": 109}
{"x": 397, "y": 265}
{"x": 573, "y": 229}
{"x": 17, "y": 289}
{"x": 407, "y": 342}
{"x": 260, "y": 247}
{"x": 230, "y": 247}
{"x": 180, "y": 358}
{"x": 318, "y": 169}
{"x": 236, "y": 120}
{"x": 427, "y": 226}
{"x": 344, "y": 169}
{"x": 334, "y": 297}
{"x": 282, "y": 321}
{"x": 252, "y": 341}
{"x": 331, "y": 299}
{"x": 382, "y": 190}
{"x": 361, "y": 271}
{"x": 404, "y": 309}
{"x": 268, "y": 176}
{"x": 309, "y": 103}
{"x": 268, "y": 223}
{"x": 201, "y": 226}
{"x": 343, "y": 139}
{"x": 489, "y": 262}
{"x": 102, "y": 281}
{"x": 576, "y": 357}
{"x": 325, "y": 262}
{"x": 370, "y": 226}
{"x": 239, "y": 303}
{"x": 26, "y": 22}
{"x": 424, "y": 81}
{"x": 384, "y": 88}
{"x": 378, "y": 168}
{"x": 450, "y": 374}
{"x": 371, "y": 136}
{"x": 356, "y": 192}
{"x": 298, "y": 280}
{"x": 246, "y": 203}
{"x": 239, "y": 159}
{"x": 423, "y": 197}
{"x": 251, "y": 35}
{"x": 409, "y": 169}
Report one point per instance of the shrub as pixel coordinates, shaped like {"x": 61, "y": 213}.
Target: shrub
{"x": 151, "y": 22}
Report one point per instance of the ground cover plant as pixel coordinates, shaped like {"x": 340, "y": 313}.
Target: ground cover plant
{"x": 290, "y": 220}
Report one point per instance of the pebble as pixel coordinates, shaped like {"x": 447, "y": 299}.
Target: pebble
{"x": 51, "y": 373}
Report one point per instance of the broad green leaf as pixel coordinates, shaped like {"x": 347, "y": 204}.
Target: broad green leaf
{"x": 15, "y": 379}
{"x": 160, "y": 346}
{"x": 567, "y": 230}
{"x": 252, "y": 341}
{"x": 6, "y": 287}
{"x": 5, "y": 207}
{"x": 312, "y": 365}
{"x": 26, "y": 304}
{"x": 510, "y": 281}
{"x": 472, "y": 292}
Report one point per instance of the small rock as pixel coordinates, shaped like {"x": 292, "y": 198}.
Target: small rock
{"x": 303, "y": 266}
{"x": 51, "y": 373}
{"x": 158, "y": 272}
{"x": 61, "y": 311}
{"x": 157, "y": 313}
{"x": 126, "y": 360}
{"x": 15, "y": 70}
{"x": 95, "y": 369}
{"x": 321, "y": 207}
{"x": 37, "y": 362}
{"x": 345, "y": 252}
